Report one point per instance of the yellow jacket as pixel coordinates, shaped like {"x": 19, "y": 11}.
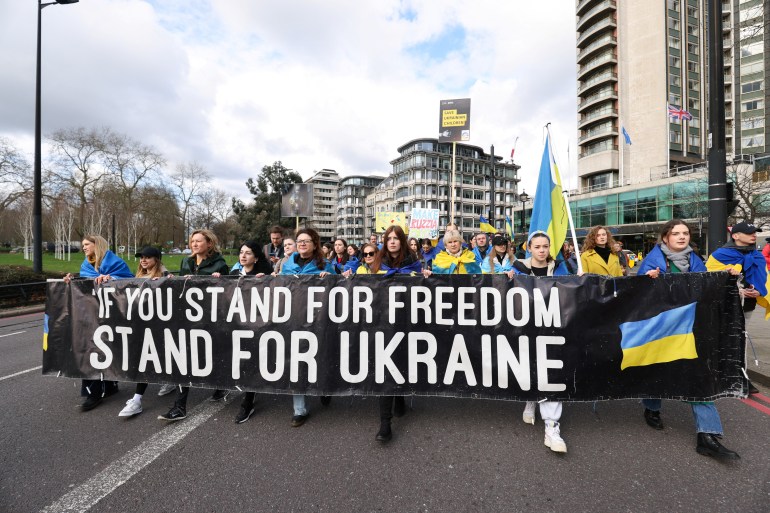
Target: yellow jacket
{"x": 594, "y": 264}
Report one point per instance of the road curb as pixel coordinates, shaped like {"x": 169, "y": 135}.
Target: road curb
{"x": 758, "y": 377}
{"x": 14, "y": 312}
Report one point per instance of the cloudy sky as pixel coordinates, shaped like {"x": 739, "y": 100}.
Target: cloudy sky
{"x": 340, "y": 84}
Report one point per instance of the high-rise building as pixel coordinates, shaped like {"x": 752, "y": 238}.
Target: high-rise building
{"x": 642, "y": 68}
{"x": 325, "y": 183}
{"x": 351, "y": 201}
{"x": 420, "y": 179}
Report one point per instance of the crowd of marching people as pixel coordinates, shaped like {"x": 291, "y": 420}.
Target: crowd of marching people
{"x": 304, "y": 253}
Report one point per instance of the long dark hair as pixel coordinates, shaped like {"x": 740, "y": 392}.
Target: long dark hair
{"x": 665, "y": 230}
{"x": 384, "y": 256}
{"x": 318, "y": 255}
{"x": 260, "y": 265}
{"x": 345, "y": 257}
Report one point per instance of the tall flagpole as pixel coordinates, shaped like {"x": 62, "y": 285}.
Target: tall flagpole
{"x": 452, "y": 185}
{"x": 565, "y": 194}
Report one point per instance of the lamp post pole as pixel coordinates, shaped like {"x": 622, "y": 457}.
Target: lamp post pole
{"x": 37, "y": 201}
{"x": 523, "y": 197}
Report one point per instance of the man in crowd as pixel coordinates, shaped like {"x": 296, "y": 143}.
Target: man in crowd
{"x": 274, "y": 250}
{"x": 481, "y": 247}
{"x": 741, "y": 253}
{"x": 373, "y": 240}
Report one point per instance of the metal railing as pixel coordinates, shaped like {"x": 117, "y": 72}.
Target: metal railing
{"x": 22, "y": 294}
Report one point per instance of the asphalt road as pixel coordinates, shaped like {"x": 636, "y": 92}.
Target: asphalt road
{"x": 446, "y": 455}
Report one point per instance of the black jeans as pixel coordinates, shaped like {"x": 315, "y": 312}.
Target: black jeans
{"x": 386, "y": 405}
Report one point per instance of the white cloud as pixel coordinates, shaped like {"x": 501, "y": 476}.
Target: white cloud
{"x": 338, "y": 84}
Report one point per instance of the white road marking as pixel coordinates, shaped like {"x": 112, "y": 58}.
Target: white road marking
{"x": 14, "y": 333}
{"x": 21, "y": 372}
{"x": 85, "y": 496}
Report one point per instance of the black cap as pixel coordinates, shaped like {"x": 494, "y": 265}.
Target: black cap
{"x": 499, "y": 240}
{"x": 149, "y": 251}
{"x": 746, "y": 228}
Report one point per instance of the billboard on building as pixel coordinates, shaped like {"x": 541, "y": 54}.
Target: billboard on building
{"x": 297, "y": 201}
{"x": 454, "y": 120}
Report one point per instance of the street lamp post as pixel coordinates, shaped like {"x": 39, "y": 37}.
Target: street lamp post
{"x": 37, "y": 205}
{"x": 523, "y": 197}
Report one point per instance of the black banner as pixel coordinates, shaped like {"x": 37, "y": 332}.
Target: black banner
{"x": 571, "y": 338}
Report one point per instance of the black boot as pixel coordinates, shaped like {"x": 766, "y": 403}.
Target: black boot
{"x": 653, "y": 419}
{"x": 384, "y": 434}
{"x": 709, "y": 445}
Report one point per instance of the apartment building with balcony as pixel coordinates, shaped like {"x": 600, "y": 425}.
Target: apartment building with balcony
{"x": 325, "y": 183}
{"x": 352, "y": 220}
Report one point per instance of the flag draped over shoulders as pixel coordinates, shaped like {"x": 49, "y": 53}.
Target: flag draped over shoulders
{"x": 753, "y": 266}
{"x": 444, "y": 263}
{"x": 549, "y": 212}
{"x": 111, "y": 264}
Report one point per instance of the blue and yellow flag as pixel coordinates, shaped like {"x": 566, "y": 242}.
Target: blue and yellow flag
{"x": 664, "y": 338}
{"x": 753, "y": 267}
{"x": 549, "y": 212}
{"x": 45, "y": 333}
{"x": 484, "y": 225}
{"x": 509, "y": 227}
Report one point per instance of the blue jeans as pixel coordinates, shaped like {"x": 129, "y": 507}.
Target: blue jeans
{"x": 705, "y": 414}
{"x": 299, "y": 405}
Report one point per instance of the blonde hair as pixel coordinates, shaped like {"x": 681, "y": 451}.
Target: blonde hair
{"x": 210, "y": 237}
{"x": 452, "y": 235}
{"x": 100, "y": 249}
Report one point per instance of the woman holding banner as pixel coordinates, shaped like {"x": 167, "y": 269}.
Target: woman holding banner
{"x": 673, "y": 254}
{"x": 254, "y": 264}
{"x": 308, "y": 259}
{"x": 541, "y": 264}
{"x": 150, "y": 267}
{"x": 455, "y": 259}
{"x": 205, "y": 260}
{"x": 102, "y": 265}
{"x": 598, "y": 255}
{"x": 395, "y": 257}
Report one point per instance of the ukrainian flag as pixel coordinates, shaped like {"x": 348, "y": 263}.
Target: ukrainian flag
{"x": 549, "y": 213}
{"x": 509, "y": 227}
{"x": 45, "y": 333}
{"x": 753, "y": 266}
{"x": 664, "y": 338}
{"x": 485, "y": 226}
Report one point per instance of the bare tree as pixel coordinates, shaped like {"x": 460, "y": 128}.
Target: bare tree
{"x": 77, "y": 163}
{"x": 24, "y": 223}
{"x": 751, "y": 188}
{"x": 188, "y": 182}
{"x": 15, "y": 174}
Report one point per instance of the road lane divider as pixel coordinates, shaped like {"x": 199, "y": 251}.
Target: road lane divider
{"x": 9, "y": 376}
{"x": 86, "y": 495}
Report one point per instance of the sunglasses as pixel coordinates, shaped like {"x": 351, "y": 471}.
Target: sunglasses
{"x": 369, "y": 254}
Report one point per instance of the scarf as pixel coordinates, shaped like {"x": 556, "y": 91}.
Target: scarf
{"x": 464, "y": 263}
{"x": 681, "y": 259}
{"x": 604, "y": 252}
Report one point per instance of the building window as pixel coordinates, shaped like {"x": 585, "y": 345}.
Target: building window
{"x": 752, "y": 105}
{"x": 693, "y": 140}
{"x": 675, "y": 137}
{"x": 750, "y": 87}
{"x": 692, "y": 11}
{"x": 693, "y": 104}
{"x": 752, "y": 49}
{"x": 692, "y": 48}
{"x": 693, "y": 85}
{"x": 749, "y": 123}
{"x": 692, "y": 66}
{"x": 692, "y": 30}
{"x": 673, "y": 42}
{"x": 674, "y": 99}
{"x": 673, "y": 5}
{"x": 675, "y": 80}
{"x": 753, "y": 141}
{"x": 754, "y": 67}
{"x": 673, "y": 24}
{"x": 674, "y": 61}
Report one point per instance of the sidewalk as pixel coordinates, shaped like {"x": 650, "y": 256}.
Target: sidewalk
{"x": 759, "y": 331}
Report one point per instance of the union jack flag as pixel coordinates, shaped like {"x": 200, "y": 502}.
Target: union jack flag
{"x": 677, "y": 113}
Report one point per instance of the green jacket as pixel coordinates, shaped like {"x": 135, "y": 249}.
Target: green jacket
{"x": 213, "y": 264}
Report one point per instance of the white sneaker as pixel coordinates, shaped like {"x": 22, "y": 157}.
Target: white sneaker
{"x": 132, "y": 408}
{"x": 552, "y": 437}
{"x": 529, "y": 413}
{"x": 166, "y": 389}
